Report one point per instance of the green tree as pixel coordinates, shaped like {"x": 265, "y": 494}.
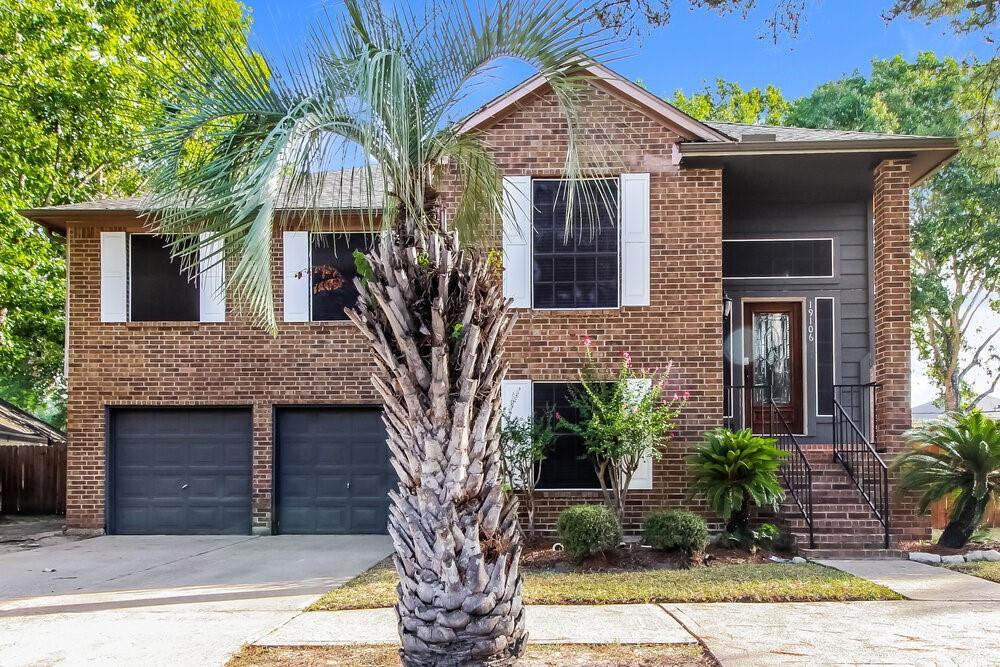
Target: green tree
{"x": 956, "y": 213}
{"x": 384, "y": 83}
{"x": 79, "y": 86}
{"x": 729, "y": 102}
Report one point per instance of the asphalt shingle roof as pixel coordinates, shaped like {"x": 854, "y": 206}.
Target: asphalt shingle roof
{"x": 783, "y": 133}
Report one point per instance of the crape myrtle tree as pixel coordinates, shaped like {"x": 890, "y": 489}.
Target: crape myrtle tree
{"x": 383, "y": 85}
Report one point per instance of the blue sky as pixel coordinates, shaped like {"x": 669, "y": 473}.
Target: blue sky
{"x": 837, "y": 37}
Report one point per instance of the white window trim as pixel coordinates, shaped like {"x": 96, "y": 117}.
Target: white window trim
{"x": 618, "y": 251}
{"x": 833, "y": 343}
{"x": 833, "y": 258}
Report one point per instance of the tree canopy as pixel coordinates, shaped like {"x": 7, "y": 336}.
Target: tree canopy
{"x": 80, "y": 85}
{"x": 729, "y": 102}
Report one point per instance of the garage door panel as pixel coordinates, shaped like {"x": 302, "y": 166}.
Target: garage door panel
{"x": 329, "y": 460}
{"x": 181, "y": 471}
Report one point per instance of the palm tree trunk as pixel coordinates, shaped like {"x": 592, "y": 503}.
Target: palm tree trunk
{"x": 964, "y": 523}
{"x": 437, "y": 321}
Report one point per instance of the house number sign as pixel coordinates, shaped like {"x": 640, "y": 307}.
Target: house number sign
{"x": 811, "y": 328}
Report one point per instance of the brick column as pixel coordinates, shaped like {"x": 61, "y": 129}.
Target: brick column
{"x": 892, "y": 332}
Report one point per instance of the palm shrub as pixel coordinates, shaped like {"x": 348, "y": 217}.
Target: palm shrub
{"x": 379, "y": 90}
{"x": 733, "y": 469}
{"x": 957, "y": 455}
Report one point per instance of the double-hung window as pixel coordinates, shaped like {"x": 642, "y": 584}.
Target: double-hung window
{"x": 141, "y": 282}
{"x": 575, "y": 265}
{"x": 598, "y": 258}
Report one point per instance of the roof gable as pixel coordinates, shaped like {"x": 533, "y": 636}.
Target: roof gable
{"x": 688, "y": 127}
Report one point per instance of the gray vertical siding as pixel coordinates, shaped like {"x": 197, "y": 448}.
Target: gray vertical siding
{"x": 847, "y": 224}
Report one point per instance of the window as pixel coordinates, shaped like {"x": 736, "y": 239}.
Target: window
{"x": 825, "y": 373}
{"x": 333, "y": 273}
{"x": 582, "y": 271}
{"x": 160, "y": 291}
{"x": 567, "y": 465}
{"x": 766, "y": 258}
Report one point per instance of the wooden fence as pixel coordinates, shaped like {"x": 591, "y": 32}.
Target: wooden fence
{"x": 941, "y": 509}
{"x": 33, "y": 479}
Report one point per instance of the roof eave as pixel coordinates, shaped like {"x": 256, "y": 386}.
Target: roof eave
{"x": 936, "y": 151}
{"x": 499, "y": 106}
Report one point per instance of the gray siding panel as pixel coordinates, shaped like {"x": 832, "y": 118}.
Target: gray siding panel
{"x": 846, "y": 224}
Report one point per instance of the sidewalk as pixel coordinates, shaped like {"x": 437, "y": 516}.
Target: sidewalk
{"x": 918, "y": 581}
{"x": 566, "y": 624}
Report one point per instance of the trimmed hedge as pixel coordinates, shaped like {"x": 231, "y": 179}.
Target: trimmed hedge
{"x": 586, "y": 530}
{"x": 675, "y": 529}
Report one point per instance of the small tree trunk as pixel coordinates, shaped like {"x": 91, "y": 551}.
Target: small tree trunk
{"x": 963, "y": 523}
{"x": 436, "y": 320}
{"x": 739, "y": 520}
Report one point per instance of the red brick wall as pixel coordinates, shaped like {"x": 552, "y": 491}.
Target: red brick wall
{"x": 191, "y": 363}
{"x": 892, "y": 330}
{"x": 232, "y": 364}
{"x": 683, "y": 323}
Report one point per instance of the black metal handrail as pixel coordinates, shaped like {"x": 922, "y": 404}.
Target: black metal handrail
{"x": 864, "y": 465}
{"x": 796, "y": 470}
{"x": 858, "y": 401}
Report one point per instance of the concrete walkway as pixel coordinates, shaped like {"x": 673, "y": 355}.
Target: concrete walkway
{"x": 171, "y": 601}
{"x": 918, "y": 581}
{"x": 564, "y": 624}
{"x": 846, "y": 633}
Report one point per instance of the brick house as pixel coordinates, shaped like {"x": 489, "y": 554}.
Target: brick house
{"x": 769, "y": 265}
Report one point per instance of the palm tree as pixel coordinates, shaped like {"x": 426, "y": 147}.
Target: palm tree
{"x": 957, "y": 455}
{"x": 383, "y": 83}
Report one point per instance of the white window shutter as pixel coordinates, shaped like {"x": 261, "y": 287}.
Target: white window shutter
{"x": 517, "y": 240}
{"x": 643, "y": 477}
{"x": 114, "y": 277}
{"x": 211, "y": 277}
{"x": 515, "y": 399}
{"x": 297, "y": 277}
{"x": 634, "y": 193}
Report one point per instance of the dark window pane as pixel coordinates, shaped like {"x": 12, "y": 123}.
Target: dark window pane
{"x": 160, "y": 289}
{"x": 777, "y": 259}
{"x": 727, "y": 369}
{"x": 824, "y": 356}
{"x": 567, "y": 465}
{"x": 333, "y": 273}
{"x": 582, "y": 271}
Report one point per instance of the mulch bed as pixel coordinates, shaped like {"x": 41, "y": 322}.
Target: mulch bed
{"x": 540, "y": 555}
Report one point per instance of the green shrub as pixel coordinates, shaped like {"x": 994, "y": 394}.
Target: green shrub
{"x": 734, "y": 469}
{"x": 586, "y": 530}
{"x": 675, "y": 529}
{"x": 956, "y": 456}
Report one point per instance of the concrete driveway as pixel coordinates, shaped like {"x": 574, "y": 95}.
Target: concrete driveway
{"x": 165, "y": 600}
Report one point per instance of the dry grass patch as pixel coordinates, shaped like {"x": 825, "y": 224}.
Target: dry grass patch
{"x": 538, "y": 655}
{"x": 981, "y": 569}
{"x": 749, "y": 582}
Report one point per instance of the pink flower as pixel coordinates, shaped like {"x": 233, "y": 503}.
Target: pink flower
{"x": 627, "y": 357}
{"x": 687, "y": 395}
{"x": 557, "y": 416}
{"x": 677, "y": 396}
{"x": 587, "y": 341}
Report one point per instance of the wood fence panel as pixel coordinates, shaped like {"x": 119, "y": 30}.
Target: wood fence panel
{"x": 33, "y": 479}
{"x": 941, "y": 509}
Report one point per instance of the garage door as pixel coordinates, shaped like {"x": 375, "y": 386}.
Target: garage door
{"x": 333, "y": 471}
{"x": 180, "y": 472}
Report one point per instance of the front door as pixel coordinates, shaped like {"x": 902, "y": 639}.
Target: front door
{"x": 774, "y": 363}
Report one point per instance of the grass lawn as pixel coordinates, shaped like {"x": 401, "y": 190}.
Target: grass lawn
{"x": 752, "y": 582}
{"x": 538, "y": 655}
{"x": 982, "y": 569}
